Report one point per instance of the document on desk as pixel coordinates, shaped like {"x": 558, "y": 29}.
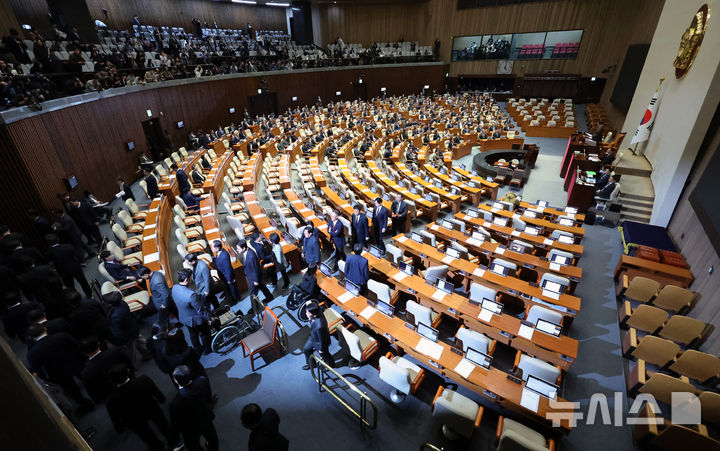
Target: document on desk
{"x": 434, "y": 227}
{"x": 368, "y": 312}
{"x": 399, "y": 276}
{"x": 526, "y": 331}
{"x": 515, "y": 233}
{"x": 150, "y": 237}
{"x": 479, "y": 272}
{"x": 343, "y": 298}
{"x": 439, "y": 295}
{"x": 465, "y": 368}
{"x": 551, "y": 294}
{"x": 554, "y": 266}
{"x": 486, "y": 224}
{"x": 548, "y": 242}
{"x": 429, "y": 348}
{"x": 151, "y": 257}
{"x": 499, "y": 250}
{"x": 530, "y": 400}
{"x": 485, "y": 315}
{"x": 448, "y": 260}
{"x": 401, "y": 239}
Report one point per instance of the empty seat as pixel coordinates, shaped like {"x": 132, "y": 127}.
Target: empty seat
{"x": 532, "y": 366}
{"x": 479, "y": 292}
{"x": 645, "y": 318}
{"x": 701, "y": 366}
{"x": 514, "y": 436}
{"x": 555, "y": 278}
{"x": 421, "y": 314}
{"x": 262, "y": 339}
{"x": 476, "y": 340}
{"x": 640, "y": 289}
{"x": 684, "y": 330}
{"x": 673, "y": 298}
{"x": 433, "y": 273}
{"x": 403, "y": 375}
{"x": 457, "y": 413}
{"x": 381, "y": 290}
{"x": 536, "y": 312}
{"x": 360, "y": 344}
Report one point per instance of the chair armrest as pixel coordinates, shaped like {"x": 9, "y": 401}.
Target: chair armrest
{"x": 559, "y": 378}
{"x": 478, "y": 419}
{"x": 128, "y": 285}
{"x": 437, "y": 320}
{"x": 498, "y": 431}
{"x": 491, "y": 348}
{"x": 418, "y": 380}
{"x": 622, "y": 286}
{"x": 629, "y": 343}
{"x": 370, "y": 350}
{"x": 637, "y": 377}
{"x": 389, "y": 355}
{"x": 437, "y": 394}
{"x": 551, "y": 444}
{"x": 517, "y": 360}
{"x": 624, "y": 313}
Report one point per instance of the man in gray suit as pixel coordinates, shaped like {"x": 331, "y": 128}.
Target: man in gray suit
{"x": 192, "y": 312}
{"x": 161, "y": 298}
{"x": 203, "y": 280}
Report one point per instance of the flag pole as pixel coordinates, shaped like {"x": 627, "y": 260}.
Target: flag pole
{"x": 634, "y": 150}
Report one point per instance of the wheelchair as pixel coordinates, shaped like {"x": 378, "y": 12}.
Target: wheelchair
{"x": 228, "y": 328}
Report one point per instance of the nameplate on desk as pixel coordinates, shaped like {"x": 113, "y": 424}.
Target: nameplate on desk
{"x": 479, "y": 272}
{"x": 400, "y": 275}
{"x": 322, "y": 226}
{"x": 207, "y": 215}
{"x": 548, "y": 242}
{"x": 259, "y": 216}
{"x": 555, "y": 266}
{"x": 304, "y": 210}
{"x": 530, "y": 400}
{"x": 368, "y": 312}
{"x": 153, "y": 209}
{"x": 151, "y": 257}
{"x": 570, "y": 215}
{"x": 205, "y": 208}
{"x": 149, "y": 227}
{"x": 515, "y": 233}
{"x": 401, "y": 239}
{"x": 439, "y": 295}
{"x": 494, "y": 210}
{"x": 268, "y": 229}
{"x": 343, "y": 298}
{"x": 434, "y": 227}
{"x": 526, "y": 332}
{"x": 212, "y": 230}
{"x": 473, "y": 242}
{"x": 551, "y": 294}
{"x": 448, "y": 260}
{"x": 251, "y": 202}
{"x": 465, "y": 368}
{"x": 429, "y": 348}
{"x": 310, "y": 218}
{"x": 485, "y": 315}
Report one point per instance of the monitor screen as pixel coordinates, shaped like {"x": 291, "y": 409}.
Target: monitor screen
{"x": 376, "y": 252}
{"x": 515, "y": 247}
{"x": 571, "y": 210}
{"x": 71, "y": 182}
{"x": 548, "y": 327}
{"x": 407, "y": 269}
{"x": 428, "y": 198}
{"x": 492, "y": 306}
{"x": 352, "y": 288}
{"x": 463, "y": 167}
{"x": 502, "y": 222}
{"x": 180, "y": 124}
{"x": 417, "y": 237}
{"x": 325, "y": 269}
{"x": 478, "y": 236}
{"x": 498, "y": 205}
{"x": 530, "y": 214}
{"x": 478, "y": 358}
{"x": 542, "y": 203}
{"x": 473, "y": 213}
{"x": 385, "y": 308}
{"x": 447, "y": 224}
{"x": 560, "y": 259}
{"x": 555, "y": 287}
{"x": 454, "y": 253}
{"x": 540, "y": 386}
{"x": 534, "y": 231}
{"x": 413, "y": 190}
{"x": 472, "y": 185}
{"x": 386, "y": 197}
{"x": 287, "y": 237}
{"x": 499, "y": 269}
{"x": 427, "y": 332}
{"x": 445, "y": 286}
{"x": 566, "y": 239}
{"x": 567, "y": 222}
{"x": 455, "y": 191}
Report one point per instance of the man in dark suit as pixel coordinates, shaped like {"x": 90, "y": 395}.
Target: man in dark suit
{"x": 123, "y": 330}
{"x": 56, "y": 358}
{"x": 96, "y": 374}
{"x": 192, "y": 202}
{"x": 160, "y": 293}
{"x": 603, "y": 179}
{"x": 151, "y": 182}
{"x": 191, "y": 410}
{"x": 192, "y": 312}
{"x": 117, "y": 270}
{"x": 86, "y": 219}
{"x": 399, "y": 211}
{"x": 134, "y": 404}
{"x": 68, "y": 232}
{"x": 336, "y": 229}
{"x": 224, "y": 266}
{"x": 356, "y": 268}
{"x": 379, "y": 223}
{"x": 53, "y": 326}
{"x": 310, "y": 245}
{"x": 87, "y": 316}
{"x": 359, "y": 226}
{"x": 203, "y": 280}
{"x": 15, "y": 318}
{"x": 36, "y": 281}
{"x": 253, "y": 270}
{"x": 42, "y": 224}
{"x": 182, "y": 178}
{"x": 125, "y": 189}
{"x": 68, "y": 263}
{"x": 264, "y": 429}
{"x": 319, "y": 339}
{"x": 607, "y": 190}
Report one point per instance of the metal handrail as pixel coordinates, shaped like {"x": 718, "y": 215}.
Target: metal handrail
{"x": 323, "y": 370}
{"x": 430, "y": 447}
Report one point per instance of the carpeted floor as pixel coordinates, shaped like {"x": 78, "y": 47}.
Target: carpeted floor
{"x": 313, "y": 420}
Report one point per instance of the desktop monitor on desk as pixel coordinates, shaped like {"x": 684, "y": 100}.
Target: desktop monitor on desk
{"x": 548, "y": 327}
{"x": 428, "y": 332}
{"x": 502, "y": 222}
{"x": 499, "y": 206}
{"x": 517, "y": 248}
{"x": 560, "y": 259}
{"x": 473, "y": 213}
{"x": 541, "y": 387}
{"x": 567, "y": 222}
{"x": 352, "y": 288}
{"x": 376, "y": 252}
{"x": 445, "y": 286}
{"x": 407, "y": 269}
{"x": 566, "y": 239}
{"x": 478, "y": 358}
{"x": 385, "y": 308}
{"x": 534, "y": 231}
{"x": 326, "y": 270}
{"x": 555, "y": 287}
{"x": 492, "y": 306}
{"x": 571, "y": 210}
{"x": 542, "y": 203}
{"x": 499, "y": 269}
{"x": 530, "y": 214}
{"x": 478, "y": 236}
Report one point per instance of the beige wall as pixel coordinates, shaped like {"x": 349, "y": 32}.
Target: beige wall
{"x": 686, "y": 106}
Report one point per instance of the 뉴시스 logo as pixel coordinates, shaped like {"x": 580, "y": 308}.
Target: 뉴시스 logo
{"x": 685, "y": 409}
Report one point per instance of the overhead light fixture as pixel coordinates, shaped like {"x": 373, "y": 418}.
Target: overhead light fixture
{"x": 426, "y": 87}
{"x": 149, "y": 113}
{"x": 247, "y": 2}
{"x": 277, "y": 4}
{"x": 337, "y": 93}
{"x": 259, "y": 91}
{"x": 593, "y": 78}
{"x": 294, "y": 99}
{"x": 382, "y": 89}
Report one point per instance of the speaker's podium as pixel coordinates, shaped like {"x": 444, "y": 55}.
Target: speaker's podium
{"x": 263, "y": 103}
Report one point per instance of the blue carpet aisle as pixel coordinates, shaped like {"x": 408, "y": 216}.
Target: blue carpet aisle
{"x": 309, "y": 418}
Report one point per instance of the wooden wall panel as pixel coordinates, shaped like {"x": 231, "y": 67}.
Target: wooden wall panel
{"x": 88, "y": 140}
{"x": 688, "y": 232}
{"x": 32, "y": 12}
{"x": 7, "y": 18}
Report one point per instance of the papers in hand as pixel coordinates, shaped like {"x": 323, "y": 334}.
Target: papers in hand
{"x": 429, "y": 348}
{"x": 526, "y": 332}
{"x": 464, "y": 368}
{"x": 343, "y": 298}
{"x": 530, "y": 400}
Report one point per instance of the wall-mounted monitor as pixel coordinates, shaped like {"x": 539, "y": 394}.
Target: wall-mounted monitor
{"x": 562, "y": 44}
{"x": 180, "y": 124}
{"x": 232, "y": 110}
{"x": 130, "y": 145}
{"x": 70, "y": 182}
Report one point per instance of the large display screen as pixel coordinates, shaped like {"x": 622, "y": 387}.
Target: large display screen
{"x": 517, "y": 46}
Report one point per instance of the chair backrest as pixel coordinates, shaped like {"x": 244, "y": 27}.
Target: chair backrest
{"x": 168, "y": 162}
{"x": 682, "y": 329}
{"x": 394, "y": 252}
{"x": 181, "y": 202}
{"x": 180, "y": 235}
{"x": 177, "y": 209}
{"x": 537, "y": 312}
{"x": 381, "y": 290}
{"x": 124, "y": 218}
{"x": 433, "y": 241}
{"x": 642, "y": 289}
{"x": 183, "y": 151}
{"x": 143, "y": 186}
{"x": 119, "y": 232}
{"x": 353, "y": 342}
{"x": 479, "y": 292}
{"x": 420, "y": 313}
{"x": 554, "y": 278}
{"x": 269, "y": 326}
{"x": 710, "y": 407}
{"x": 433, "y": 273}
{"x": 673, "y": 298}
{"x": 176, "y": 157}
{"x": 553, "y": 252}
{"x": 459, "y": 223}
{"x": 115, "y": 249}
{"x": 513, "y": 440}
{"x": 132, "y": 206}
{"x": 179, "y": 222}
{"x": 518, "y": 224}
{"x": 235, "y": 224}
{"x": 655, "y": 350}
{"x": 108, "y": 287}
{"x": 538, "y": 368}
{"x": 105, "y": 273}
{"x": 558, "y": 233}
{"x": 181, "y": 250}
{"x": 341, "y": 265}
{"x": 647, "y": 318}
{"x": 505, "y": 264}
{"x": 395, "y": 375}
{"x": 615, "y": 192}
{"x": 473, "y": 339}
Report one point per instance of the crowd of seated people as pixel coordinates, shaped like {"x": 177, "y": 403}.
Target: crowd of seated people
{"x": 490, "y": 49}
{"x": 378, "y": 53}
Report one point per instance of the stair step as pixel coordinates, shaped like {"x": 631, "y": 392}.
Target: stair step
{"x": 636, "y": 210}
{"x": 627, "y": 201}
{"x": 637, "y": 196}
{"x": 635, "y": 217}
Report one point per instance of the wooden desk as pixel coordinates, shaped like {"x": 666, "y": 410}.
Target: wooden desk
{"x": 429, "y": 208}
{"x": 490, "y": 188}
{"x": 156, "y": 237}
{"x": 491, "y": 383}
{"x": 215, "y": 179}
{"x": 549, "y": 211}
{"x": 168, "y": 185}
{"x": 683, "y": 276}
{"x": 452, "y": 199}
{"x": 474, "y": 194}
{"x": 549, "y": 225}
